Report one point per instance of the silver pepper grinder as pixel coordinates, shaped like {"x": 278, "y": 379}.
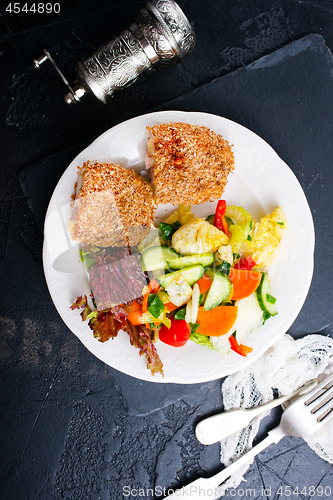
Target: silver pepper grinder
{"x": 161, "y": 34}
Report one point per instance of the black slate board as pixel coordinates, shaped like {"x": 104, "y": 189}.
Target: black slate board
{"x": 46, "y": 173}
{"x": 261, "y": 97}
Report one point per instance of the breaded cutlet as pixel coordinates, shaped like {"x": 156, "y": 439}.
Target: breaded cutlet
{"x": 189, "y": 164}
{"x": 113, "y": 206}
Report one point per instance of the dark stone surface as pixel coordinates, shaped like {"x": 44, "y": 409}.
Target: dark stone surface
{"x": 72, "y": 427}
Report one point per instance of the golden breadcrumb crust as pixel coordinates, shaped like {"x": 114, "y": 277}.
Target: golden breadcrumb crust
{"x": 192, "y": 163}
{"x": 115, "y": 206}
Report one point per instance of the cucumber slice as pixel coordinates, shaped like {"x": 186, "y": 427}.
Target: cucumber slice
{"x": 205, "y": 259}
{"x": 220, "y": 290}
{"x": 210, "y": 273}
{"x": 264, "y": 297}
{"x": 210, "y": 219}
{"x": 157, "y": 258}
{"x": 191, "y": 274}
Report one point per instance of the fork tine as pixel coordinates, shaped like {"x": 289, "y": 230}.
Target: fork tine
{"x": 327, "y": 415}
{"x": 319, "y": 390}
{"x": 326, "y": 397}
{"x": 322, "y": 400}
{"x": 319, "y": 393}
{"x": 325, "y": 408}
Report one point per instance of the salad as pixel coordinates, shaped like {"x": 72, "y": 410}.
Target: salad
{"x": 194, "y": 279}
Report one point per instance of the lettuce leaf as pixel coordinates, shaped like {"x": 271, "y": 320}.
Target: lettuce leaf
{"x": 203, "y": 340}
{"x": 82, "y": 303}
{"x": 106, "y": 324}
{"x": 143, "y": 339}
{"x": 88, "y": 256}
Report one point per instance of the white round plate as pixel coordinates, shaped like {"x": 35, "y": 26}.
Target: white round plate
{"x": 260, "y": 183}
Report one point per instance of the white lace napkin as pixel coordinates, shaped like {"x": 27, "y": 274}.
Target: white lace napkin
{"x": 285, "y": 366}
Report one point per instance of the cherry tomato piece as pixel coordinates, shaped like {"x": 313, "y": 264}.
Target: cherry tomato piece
{"x": 178, "y": 333}
{"x": 245, "y": 263}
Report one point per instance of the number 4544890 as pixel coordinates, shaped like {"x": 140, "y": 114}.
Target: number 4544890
{"x": 39, "y": 8}
{"x": 307, "y": 491}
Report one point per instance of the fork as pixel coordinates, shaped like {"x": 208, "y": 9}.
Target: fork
{"x": 304, "y": 417}
{"x": 217, "y": 427}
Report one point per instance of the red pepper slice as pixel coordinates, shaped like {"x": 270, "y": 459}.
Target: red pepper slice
{"x": 241, "y": 349}
{"x": 245, "y": 263}
{"x": 219, "y": 219}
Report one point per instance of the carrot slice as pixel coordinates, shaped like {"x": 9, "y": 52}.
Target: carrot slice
{"x": 204, "y": 283}
{"x": 170, "y": 306}
{"x": 217, "y": 321}
{"x": 135, "y": 317}
{"x": 244, "y": 282}
{"x": 134, "y": 312}
{"x": 135, "y": 306}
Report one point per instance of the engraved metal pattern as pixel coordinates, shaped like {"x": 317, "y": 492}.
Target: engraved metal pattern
{"x": 118, "y": 64}
{"x": 165, "y": 33}
{"x": 176, "y": 24}
{"x": 156, "y": 36}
